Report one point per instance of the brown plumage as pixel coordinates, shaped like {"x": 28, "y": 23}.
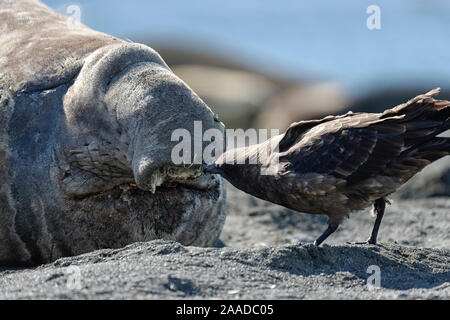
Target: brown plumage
{"x": 345, "y": 163}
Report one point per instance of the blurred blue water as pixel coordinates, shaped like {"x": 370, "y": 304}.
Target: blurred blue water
{"x": 326, "y": 39}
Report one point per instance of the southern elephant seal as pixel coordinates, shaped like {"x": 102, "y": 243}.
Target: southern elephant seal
{"x": 85, "y": 138}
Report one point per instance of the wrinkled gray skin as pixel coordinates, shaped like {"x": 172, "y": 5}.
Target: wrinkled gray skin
{"x": 83, "y": 118}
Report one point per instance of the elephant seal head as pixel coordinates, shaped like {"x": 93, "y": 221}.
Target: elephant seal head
{"x": 124, "y": 106}
{"x": 86, "y": 123}
{"x": 111, "y": 169}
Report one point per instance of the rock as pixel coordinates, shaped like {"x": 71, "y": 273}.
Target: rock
{"x": 85, "y": 139}
{"x": 234, "y": 95}
{"x": 178, "y": 55}
{"x": 303, "y": 102}
{"x": 433, "y": 181}
{"x": 383, "y": 99}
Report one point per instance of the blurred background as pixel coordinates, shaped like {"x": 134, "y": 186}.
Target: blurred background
{"x": 266, "y": 63}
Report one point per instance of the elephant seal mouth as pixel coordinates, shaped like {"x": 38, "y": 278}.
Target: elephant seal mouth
{"x": 161, "y": 180}
{"x": 127, "y": 191}
{"x": 81, "y": 179}
{"x": 172, "y": 176}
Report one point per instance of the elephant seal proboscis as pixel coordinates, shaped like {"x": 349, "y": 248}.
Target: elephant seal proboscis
{"x": 85, "y": 139}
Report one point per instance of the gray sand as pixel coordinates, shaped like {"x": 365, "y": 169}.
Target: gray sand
{"x": 263, "y": 260}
